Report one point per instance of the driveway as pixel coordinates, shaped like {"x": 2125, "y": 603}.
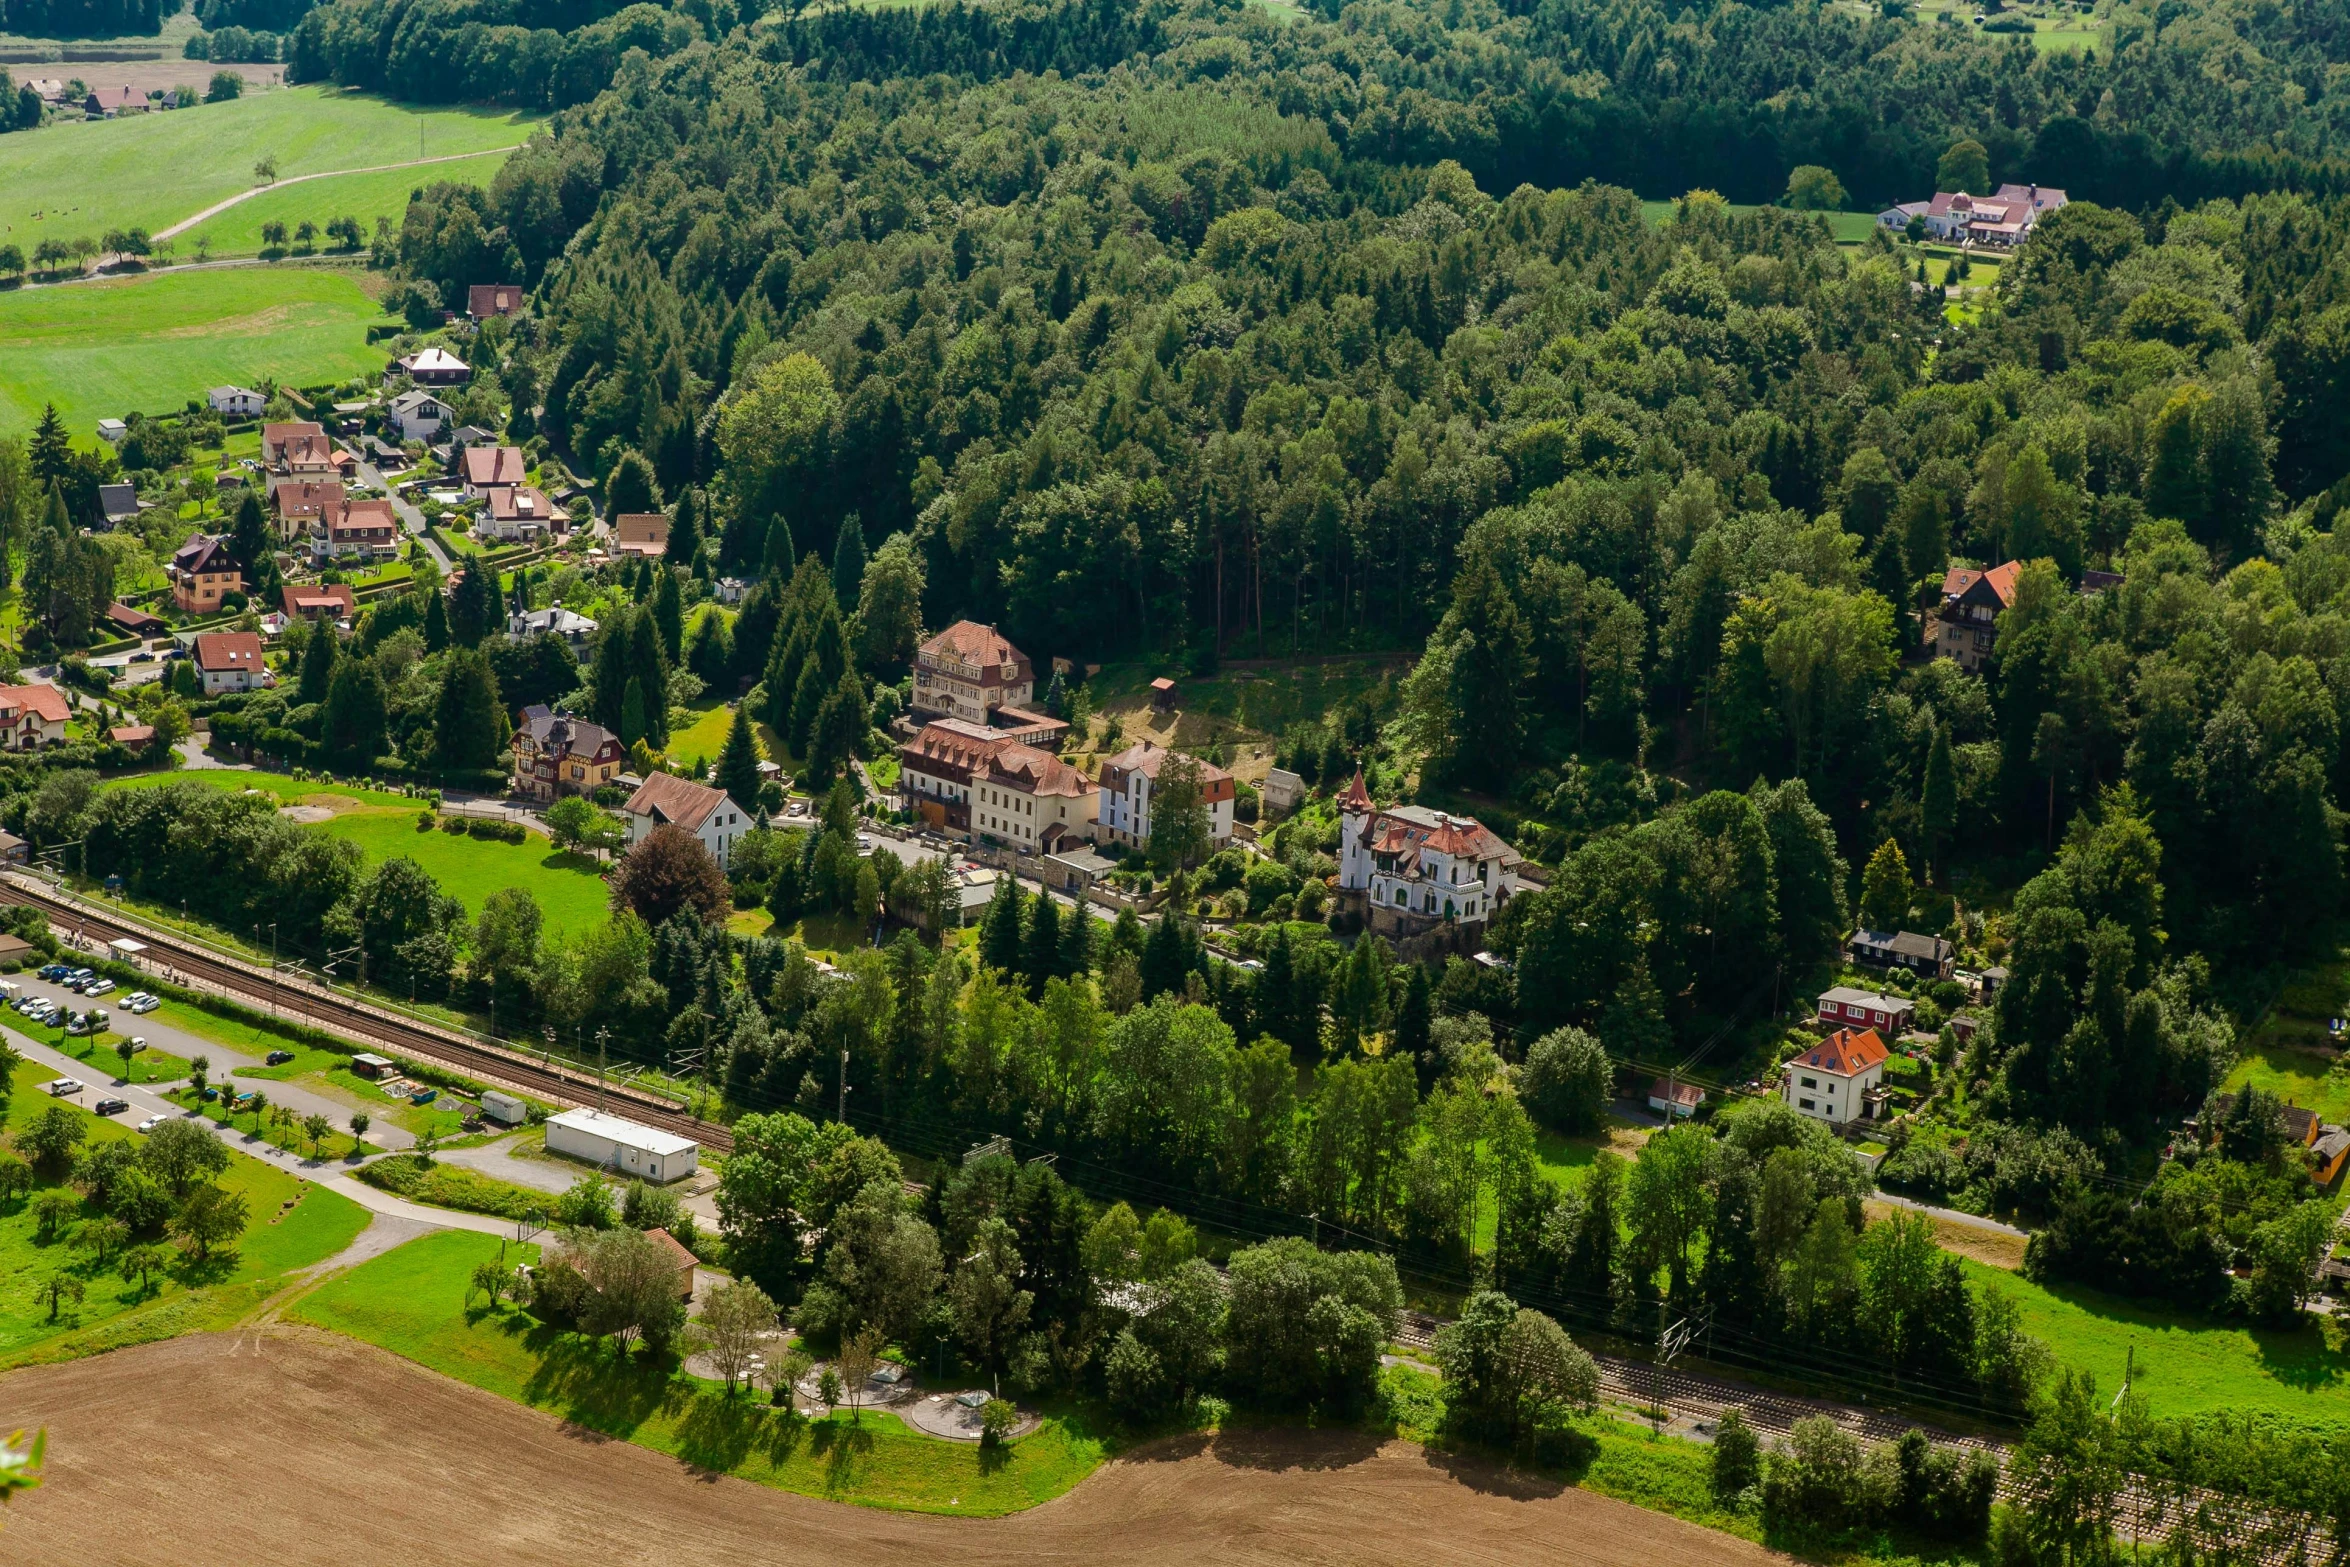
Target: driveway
{"x": 543, "y": 1175}
{"x": 410, "y": 517}
{"x": 165, "y": 1036}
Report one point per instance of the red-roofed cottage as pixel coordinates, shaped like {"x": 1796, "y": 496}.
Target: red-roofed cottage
{"x": 32, "y": 717}
{"x": 1832, "y": 1080}
{"x": 1966, "y": 625}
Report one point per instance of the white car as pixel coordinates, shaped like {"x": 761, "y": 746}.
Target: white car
{"x": 140, "y": 1002}
{"x": 58, "y": 1088}
{"x": 98, "y": 987}
{"x": 152, "y": 1122}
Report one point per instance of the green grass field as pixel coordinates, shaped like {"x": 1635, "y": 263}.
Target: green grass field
{"x": 114, "y": 1311}
{"x": 96, "y": 1051}
{"x": 569, "y": 891}
{"x": 148, "y": 344}
{"x": 2187, "y": 1366}
{"x": 154, "y": 170}
{"x": 237, "y": 232}
{"x": 411, "y": 1301}
{"x": 1849, "y": 228}
{"x": 705, "y": 737}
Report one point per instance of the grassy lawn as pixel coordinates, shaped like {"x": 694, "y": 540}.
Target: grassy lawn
{"x": 292, "y": 1224}
{"x": 1564, "y": 1160}
{"x": 452, "y": 1186}
{"x": 148, "y": 344}
{"x": 384, "y": 193}
{"x": 411, "y": 1301}
{"x": 152, "y": 170}
{"x": 705, "y": 736}
{"x": 264, "y": 1127}
{"x": 2187, "y": 1365}
{"x": 1249, "y": 705}
{"x": 571, "y": 894}
{"x": 96, "y": 1051}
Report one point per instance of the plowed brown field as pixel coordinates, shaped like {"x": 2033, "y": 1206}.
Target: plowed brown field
{"x": 290, "y": 1447}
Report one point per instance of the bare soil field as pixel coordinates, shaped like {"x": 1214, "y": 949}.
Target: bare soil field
{"x": 338, "y": 1453}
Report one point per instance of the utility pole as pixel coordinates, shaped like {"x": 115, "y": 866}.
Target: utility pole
{"x": 842, "y": 1115}
{"x": 273, "y": 968}
{"x": 602, "y": 1035}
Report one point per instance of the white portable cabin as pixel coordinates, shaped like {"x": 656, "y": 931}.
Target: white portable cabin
{"x": 504, "y": 1109}
{"x": 621, "y": 1145}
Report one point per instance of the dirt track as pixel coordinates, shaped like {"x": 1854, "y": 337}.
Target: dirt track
{"x": 301, "y": 1448}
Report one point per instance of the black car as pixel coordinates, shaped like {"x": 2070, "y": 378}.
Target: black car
{"x": 110, "y": 1106}
{"x": 279, "y": 1058}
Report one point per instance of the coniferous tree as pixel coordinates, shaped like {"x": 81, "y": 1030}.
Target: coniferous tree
{"x": 318, "y": 663}
{"x": 777, "y": 556}
{"x": 1938, "y": 799}
{"x": 630, "y": 488}
{"x": 686, "y": 530}
{"x": 352, "y": 728}
{"x": 469, "y": 725}
{"x": 610, "y": 687}
{"x": 50, "y": 451}
{"x": 1041, "y": 947}
{"x": 848, "y": 561}
{"x": 648, "y": 673}
{"x": 436, "y": 621}
{"x": 738, "y": 764}
{"x": 669, "y": 612}
{"x": 1000, "y": 928}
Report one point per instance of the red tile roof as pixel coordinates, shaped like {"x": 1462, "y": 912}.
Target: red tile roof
{"x": 45, "y": 702}
{"x": 1357, "y": 799}
{"x": 487, "y": 465}
{"x": 974, "y": 643}
{"x": 640, "y": 533}
{"x": 222, "y": 651}
{"x": 1847, "y": 1052}
{"x": 669, "y": 798}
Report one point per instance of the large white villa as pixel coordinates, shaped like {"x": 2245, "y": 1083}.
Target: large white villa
{"x": 2004, "y": 218}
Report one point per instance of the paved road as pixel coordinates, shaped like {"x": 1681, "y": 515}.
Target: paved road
{"x": 166, "y": 1036}
{"x": 410, "y": 518}
{"x": 332, "y": 1173}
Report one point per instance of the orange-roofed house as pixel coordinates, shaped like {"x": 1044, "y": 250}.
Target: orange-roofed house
{"x": 1122, "y": 811}
{"x": 640, "y": 533}
{"x": 32, "y": 717}
{"x": 1833, "y": 1079}
{"x": 230, "y": 661}
{"x": 312, "y": 600}
{"x": 1965, "y": 626}
{"x": 968, "y": 671}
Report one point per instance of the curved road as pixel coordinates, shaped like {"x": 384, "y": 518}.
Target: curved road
{"x": 218, "y": 207}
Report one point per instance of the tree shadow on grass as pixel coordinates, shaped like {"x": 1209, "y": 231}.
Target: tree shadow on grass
{"x": 572, "y": 860}
{"x": 592, "y": 1385}
{"x": 716, "y": 1433}
{"x": 843, "y": 1448}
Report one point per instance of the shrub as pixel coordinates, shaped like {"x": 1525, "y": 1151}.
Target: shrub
{"x": 453, "y": 825}
{"x": 1737, "y": 1457}
{"x": 997, "y": 1417}
{"x": 1568, "y": 1080}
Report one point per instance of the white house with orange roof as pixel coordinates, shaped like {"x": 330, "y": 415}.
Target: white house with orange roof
{"x": 1831, "y": 1080}
{"x": 2004, "y": 218}
{"x": 1122, "y": 808}
{"x": 1416, "y": 868}
{"x": 32, "y": 717}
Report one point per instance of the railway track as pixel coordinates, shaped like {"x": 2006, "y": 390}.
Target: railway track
{"x": 364, "y": 1023}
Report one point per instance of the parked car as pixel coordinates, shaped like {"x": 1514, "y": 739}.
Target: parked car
{"x": 56, "y": 971}
{"x": 58, "y": 1088}
{"x": 140, "y": 1002}
{"x": 110, "y": 1107}
{"x": 152, "y": 1122}
{"x": 91, "y": 1022}
{"x": 98, "y": 987}
{"x": 278, "y": 1058}
{"x": 138, "y": 1044}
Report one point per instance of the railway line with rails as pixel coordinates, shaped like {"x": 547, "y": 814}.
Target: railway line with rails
{"x": 371, "y": 1025}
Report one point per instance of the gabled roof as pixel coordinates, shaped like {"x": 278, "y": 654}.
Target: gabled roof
{"x": 974, "y": 643}
{"x": 205, "y": 552}
{"x": 487, "y": 465}
{"x": 954, "y": 743}
{"x": 46, "y": 703}
{"x": 311, "y": 598}
{"x": 306, "y": 497}
{"x": 118, "y": 501}
{"x": 433, "y": 361}
{"x": 1031, "y": 771}
{"x": 1147, "y": 757}
{"x": 561, "y": 736}
{"x": 361, "y": 517}
{"x": 1676, "y": 1093}
{"x": 130, "y": 619}
{"x": 1845, "y": 995}
{"x": 665, "y": 797}
{"x": 493, "y": 299}
{"x": 1999, "y": 582}
{"x": 221, "y": 652}
{"x": 131, "y": 734}
{"x": 520, "y": 503}
{"x": 1907, "y": 943}
{"x": 1846, "y": 1053}
{"x": 410, "y": 401}
{"x": 641, "y": 532}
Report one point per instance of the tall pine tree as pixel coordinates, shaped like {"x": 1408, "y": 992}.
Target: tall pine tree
{"x": 318, "y": 664}
{"x": 738, "y": 764}
{"x": 848, "y": 561}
